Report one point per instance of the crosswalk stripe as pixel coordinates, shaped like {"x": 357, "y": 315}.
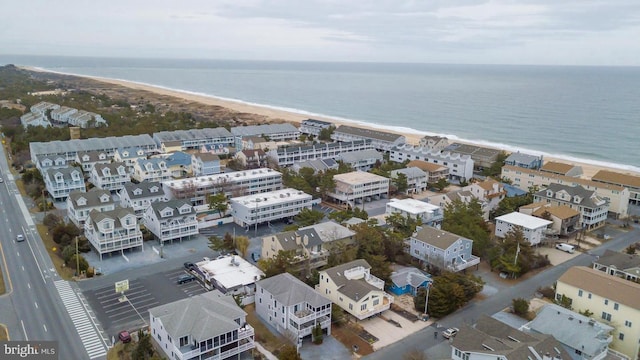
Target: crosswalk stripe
{"x": 89, "y": 336}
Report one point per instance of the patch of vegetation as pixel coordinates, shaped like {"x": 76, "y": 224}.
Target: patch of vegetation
{"x": 449, "y": 292}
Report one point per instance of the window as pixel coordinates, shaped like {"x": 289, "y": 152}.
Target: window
{"x": 606, "y": 301}
{"x": 350, "y": 306}
{"x": 627, "y": 323}
{"x": 589, "y": 296}
{"x": 621, "y": 336}
{"x": 580, "y": 293}
{"x": 606, "y": 316}
{"x": 363, "y": 307}
{"x": 616, "y": 306}
{"x": 376, "y": 302}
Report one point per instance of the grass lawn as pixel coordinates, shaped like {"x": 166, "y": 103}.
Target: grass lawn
{"x": 347, "y": 334}
{"x": 266, "y": 338}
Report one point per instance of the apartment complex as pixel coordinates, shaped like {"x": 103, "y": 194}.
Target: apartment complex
{"x": 265, "y": 207}
{"x": 288, "y": 156}
{"x": 631, "y": 182}
{"x": 616, "y": 195}
{"x": 274, "y": 132}
{"x": 483, "y": 157}
{"x": 193, "y": 139}
{"x": 380, "y": 140}
{"x": 612, "y": 300}
{"x": 593, "y": 208}
{"x": 358, "y": 186}
{"x": 460, "y": 166}
{"x": 113, "y": 230}
{"x": 313, "y": 126}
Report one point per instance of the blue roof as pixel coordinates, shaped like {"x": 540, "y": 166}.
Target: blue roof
{"x": 178, "y": 158}
{"x": 513, "y": 191}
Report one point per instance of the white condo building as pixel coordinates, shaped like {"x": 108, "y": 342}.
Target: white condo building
{"x": 355, "y": 187}
{"x": 460, "y": 166}
{"x": 429, "y": 214}
{"x": 275, "y": 205}
{"x": 533, "y": 228}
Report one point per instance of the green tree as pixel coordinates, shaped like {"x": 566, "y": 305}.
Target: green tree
{"x": 81, "y": 263}
{"x": 278, "y": 264}
{"x": 308, "y": 217}
{"x": 218, "y": 202}
{"x": 520, "y": 306}
{"x": 325, "y": 134}
{"x": 242, "y": 244}
{"x": 221, "y": 244}
{"x": 289, "y": 352}
{"x": 401, "y": 183}
{"x": 317, "y": 335}
{"x": 631, "y": 249}
{"x": 496, "y": 167}
{"x": 144, "y": 348}
{"x": 441, "y": 184}
{"x": 450, "y": 291}
{"x": 466, "y": 220}
{"x": 420, "y": 299}
{"x": 510, "y": 204}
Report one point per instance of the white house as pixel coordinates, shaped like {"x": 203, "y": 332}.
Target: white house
{"x": 265, "y": 207}
{"x": 416, "y": 179}
{"x": 111, "y": 177}
{"x": 113, "y": 230}
{"x": 171, "y": 220}
{"x": 313, "y": 126}
{"x": 50, "y": 161}
{"x": 291, "y": 306}
{"x": 129, "y": 156}
{"x": 205, "y": 326}
{"x": 231, "y": 275}
{"x": 460, "y": 166}
{"x": 362, "y": 160}
{"x": 533, "y": 228}
{"x": 61, "y": 181}
{"x": 429, "y": 214}
{"x": 151, "y": 170}
{"x": 355, "y": 187}
{"x": 593, "y": 208}
{"x": 140, "y": 196}
{"x": 81, "y": 203}
{"x": 89, "y": 159}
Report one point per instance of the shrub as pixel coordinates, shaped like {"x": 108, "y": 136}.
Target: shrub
{"x": 520, "y": 306}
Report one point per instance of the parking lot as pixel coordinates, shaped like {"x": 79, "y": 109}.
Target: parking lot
{"x": 117, "y": 313}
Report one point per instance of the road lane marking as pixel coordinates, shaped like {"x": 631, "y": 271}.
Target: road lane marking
{"x": 36, "y": 305}
{"x": 24, "y": 331}
{"x": 45, "y": 328}
{"x": 29, "y": 285}
{"x": 36, "y": 261}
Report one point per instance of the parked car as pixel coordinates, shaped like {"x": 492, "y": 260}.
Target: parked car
{"x": 566, "y": 247}
{"x": 449, "y": 333}
{"x": 185, "y": 279}
{"x": 20, "y": 238}
{"x": 124, "y": 336}
{"x": 189, "y": 265}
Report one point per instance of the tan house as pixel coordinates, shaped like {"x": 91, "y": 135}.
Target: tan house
{"x": 565, "y": 219}
{"x": 558, "y": 168}
{"x": 434, "y": 172}
{"x": 612, "y": 300}
{"x": 352, "y": 287}
{"x": 305, "y": 244}
{"x": 629, "y": 181}
{"x": 252, "y": 159}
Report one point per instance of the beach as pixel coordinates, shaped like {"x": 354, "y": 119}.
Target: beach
{"x": 278, "y": 115}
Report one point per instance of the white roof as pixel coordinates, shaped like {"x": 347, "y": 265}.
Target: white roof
{"x": 231, "y": 274}
{"x": 413, "y": 206}
{"x": 232, "y": 177}
{"x": 524, "y": 220}
{"x": 359, "y": 177}
{"x": 286, "y": 195}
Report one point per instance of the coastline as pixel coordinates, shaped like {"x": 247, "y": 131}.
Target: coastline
{"x": 296, "y": 117}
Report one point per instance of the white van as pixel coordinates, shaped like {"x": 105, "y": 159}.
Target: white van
{"x": 566, "y": 247}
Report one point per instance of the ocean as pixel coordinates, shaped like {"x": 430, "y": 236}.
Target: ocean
{"x": 586, "y": 114}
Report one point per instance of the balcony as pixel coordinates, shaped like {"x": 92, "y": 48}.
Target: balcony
{"x": 305, "y": 316}
{"x": 387, "y": 300}
{"x": 465, "y": 264}
{"x": 307, "y": 328}
{"x": 243, "y": 333}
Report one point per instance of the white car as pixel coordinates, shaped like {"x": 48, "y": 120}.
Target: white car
{"x": 20, "y": 238}
{"x": 449, "y": 333}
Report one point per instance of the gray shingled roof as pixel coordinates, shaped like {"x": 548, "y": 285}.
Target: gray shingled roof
{"x": 355, "y": 156}
{"x": 202, "y": 316}
{"x": 111, "y": 166}
{"x": 92, "y": 196}
{"x": 520, "y": 158}
{"x": 368, "y": 133}
{"x": 93, "y": 156}
{"x": 288, "y": 290}
{"x": 145, "y": 186}
{"x": 409, "y": 276}
{"x": 192, "y": 134}
{"x": 118, "y": 213}
{"x": 411, "y": 172}
{"x": 158, "y": 206}
{"x": 619, "y": 260}
{"x": 287, "y": 239}
{"x": 65, "y": 171}
{"x": 320, "y": 146}
{"x": 436, "y": 237}
{"x": 258, "y": 130}
{"x": 353, "y": 289}
{"x": 330, "y": 231}
{"x": 316, "y": 122}
{"x": 589, "y": 198}
{"x": 76, "y": 145}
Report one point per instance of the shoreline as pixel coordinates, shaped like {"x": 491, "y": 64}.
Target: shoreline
{"x": 296, "y": 116}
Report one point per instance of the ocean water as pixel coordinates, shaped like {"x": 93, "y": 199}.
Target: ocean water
{"x": 589, "y": 114}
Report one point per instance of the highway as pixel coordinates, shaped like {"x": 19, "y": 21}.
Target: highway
{"x": 33, "y": 308}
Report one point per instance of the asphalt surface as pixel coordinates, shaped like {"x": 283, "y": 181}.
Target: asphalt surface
{"x": 37, "y": 303}
{"x": 425, "y": 341}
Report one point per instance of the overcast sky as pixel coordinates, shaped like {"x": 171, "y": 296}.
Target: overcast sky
{"x": 571, "y": 32}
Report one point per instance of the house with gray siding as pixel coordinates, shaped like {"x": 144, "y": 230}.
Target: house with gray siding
{"x": 442, "y": 249}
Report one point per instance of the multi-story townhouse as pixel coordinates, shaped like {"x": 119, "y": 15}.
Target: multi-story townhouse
{"x": 331, "y": 233}
{"x": 358, "y": 186}
{"x": 61, "y": 115}
{"x": 61, "y": 181}
{"x": 429, "y": 214}
{"x": 460, "y": 166}
{"x": 113, "y": 230}
{"x": 262, "y": 208}
{"x": 171, "y": 220}
{"x": 239, "y": 183}
{"x": 306, "y": 246}
{"x": 151, "y": 170}
{"x": 89, "y": 159}
{"x": 178, "y": 163}
{"x": 288, "y": 156}
{"x": 140, "y": 196}
{"x": 70, "y": 148}
{"x": 52, "y": 161}
{"x": 483, "y": 157}
{"x": 193, "y": 139}
{"x": 291, "y": 306}
{"x": 352, "y": 287}
{"x": 251, "y": 159}
{"x": 203, "y": 164}
{"x": 380, "y": 140}
{"x": 318, "y": 165}
{"x": 434, "y": 172}
{"x": 442, "y": 249}
{"x": 618, "y": 196}
{"x": 111, "y": 177}
{"x": 81, "y": 203}
{"x": 564, "y": 219}
{"x": 205, "y": 326}
{"x": 31, "y": 119}
{"x": 489, "y": 191}
{"x": 522, "y": 160}
{"x": 533, "y": 228}
{"x": 464, "y": 196}
{"x": 42, "y": 107}
{"x": 416, "y": 179}
{"x": 563, "y": 169}
{"x": 275, "y": 132}
{"x": 629, "y": 181}
{"x": 612, "y": 300}
{"x": 313, "y": 126}
{"x": 129, "y": 156}
{"x": 624, "y": 266}
{"x": 593, "y": 208}
{"x": 86, "y": 119}
{"x": 260, "y": 143}
{"x": 362, "y": 160}
{"x": 579, "y": 334}
{"x": 491, "y": 339}
{"x": 435, "y": 143}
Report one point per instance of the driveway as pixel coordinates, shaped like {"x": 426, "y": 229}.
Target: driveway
{"x": 330, "y": 349}
{"x": 387, "y": 332}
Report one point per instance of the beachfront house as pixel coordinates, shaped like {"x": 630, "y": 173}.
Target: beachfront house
{"x": 558, "y": 168}
{"x": 294, "y": 154}
{"x": 435, "y": 143}
{"x": 628, "y": 181}
{"x": 483, "y": 157}
{"x": 523, "y": 160}
{"x": 380, "y": 140}
{"x": 313, "y": 126}
{"x": 274, "y": 132}
{"x": 460, "y": 166}
{"x": 291, "y": 306}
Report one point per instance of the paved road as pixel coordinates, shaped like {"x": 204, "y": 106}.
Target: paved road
{"x": 38, "y": 302}
{"x": 424, "y": 339}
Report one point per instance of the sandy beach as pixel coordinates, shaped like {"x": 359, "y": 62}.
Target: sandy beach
{"x": 281, "y": 115}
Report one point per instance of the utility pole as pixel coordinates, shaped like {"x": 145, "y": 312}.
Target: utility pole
{"x": 426, "y": 300}
{"x": 77, "y": 259}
